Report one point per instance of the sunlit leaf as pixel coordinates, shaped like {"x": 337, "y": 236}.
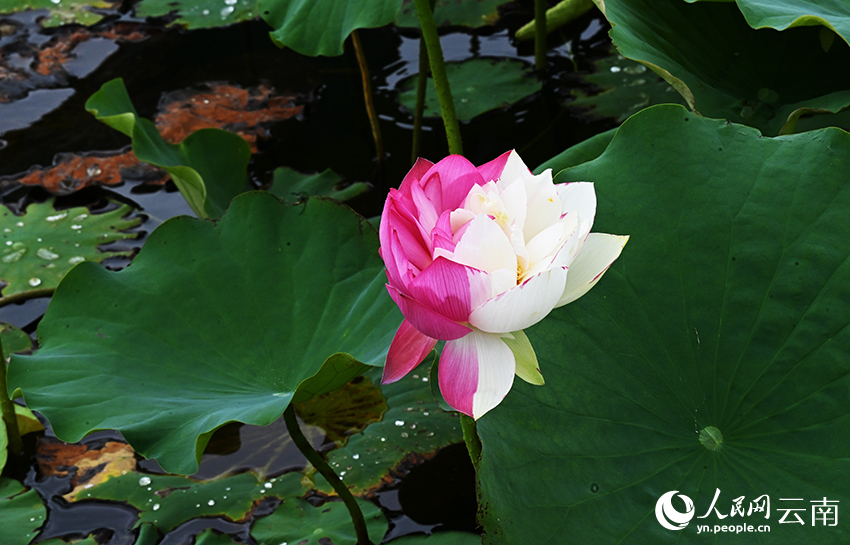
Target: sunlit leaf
{"x": 727, "y": 308}
{"x": 59, "y": 13}
{"x": 41, "y": 246}
{"x": 211, "y": 323}
{"x": 726, "y": 69}
{"x": 478, "y": 86}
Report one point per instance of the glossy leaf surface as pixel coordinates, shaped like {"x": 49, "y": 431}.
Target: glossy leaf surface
{"x": 211, "y": 323}
{"x": 726, "y": 69}
{"x": 727, "y": 309}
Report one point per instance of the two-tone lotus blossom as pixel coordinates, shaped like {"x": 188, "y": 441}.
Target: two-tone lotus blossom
{"x": 476, "y": 255}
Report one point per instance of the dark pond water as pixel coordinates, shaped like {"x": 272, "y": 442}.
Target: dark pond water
{"x": 332, "y": 131}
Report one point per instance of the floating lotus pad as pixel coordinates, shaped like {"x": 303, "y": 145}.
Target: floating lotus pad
{"x": 62, "y": 12}
{"x": 200, "y": 13}
{"x": 211, "y": 323}
{"x": 41, "y": 246}
{"x": 727, "y": 310}
{"x": 478, "y": 86}
{"x": 471, "y": 13}
{"x": 21, "y": 512}
{"x": 763, "y": 78}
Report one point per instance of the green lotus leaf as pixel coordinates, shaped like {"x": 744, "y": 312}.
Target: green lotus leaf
{"x": 296, "y": 521}
{"x": 209, "y": 167}
{"x": 209, "y": 537}
{"x": 726, "y": 69}
{"x": 470, "y": 13}
{"x": 478, "y": 86}
{"x": 726, "y": 310}
{"x": 211, "y": 323}
{"x": 413, "y": 425}
{"x": 13, "y": 339}
{"x": 782, "y": 14}
{"x": 41, "y": 246}
{"x": 291, "y": 186}
{"x": 167, "y": 501}
{"x": 21, "y": 512}
{"x": 626, "y": 87}
{"x": 440, "y": 538}
{"x": 63, "y": 12}
{"x": 200, "y": 13}
{"x": 582, "y": 152}
{"x": 319, "y": 27}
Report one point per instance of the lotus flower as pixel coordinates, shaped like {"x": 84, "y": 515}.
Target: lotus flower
{"x": 476, "y": 255}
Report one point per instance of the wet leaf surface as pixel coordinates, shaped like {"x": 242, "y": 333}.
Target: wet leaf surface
{"x": 168, "y": 501}
{"x": 41, "y": 246}
{"x": 296, "y": 521}
{"x": 62, "y": 12}
{"x": 625, "y": 87}
{"x": 412, "y": 429}
{"x": 194, "y": 14}
{"x": 21, "y": 512}
{"x": 478, "y": 86}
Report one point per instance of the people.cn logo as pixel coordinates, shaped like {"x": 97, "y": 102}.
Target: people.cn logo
{"x": 668, "y": 516}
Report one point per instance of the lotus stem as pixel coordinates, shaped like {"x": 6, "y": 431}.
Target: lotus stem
{"x": 470, "y": 437}
{"x": 438, "y": 72}
{"x": 561, "y": 14}
{"x": 540, "y": 35}
{"x": 368, "y": 97}
{"x": 421, "y": 90}
{"x": 7, "y": 408}
{"x": 322, "y": 466}
{"x": 26, "y": 296}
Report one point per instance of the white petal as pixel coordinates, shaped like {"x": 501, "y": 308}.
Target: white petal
{"x": 515, "y": 201}
{"x": 514, "y": 170}
{"x": 485, "y": 247}
{"x": 597, "y": 254}
{"x": 522, "y": 306}
{"x": 548, "y": 243}
{"x": 579, "y": 196}
{"x": 544, "y": 205}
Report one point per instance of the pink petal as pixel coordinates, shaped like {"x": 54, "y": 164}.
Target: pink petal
{"x": 457, "y": 176}
{"x": 426, "y": 320}
{"x": 441, "y": 235}
{"x": 417, "y": 171}
{"x": 492, "y": 170}
{"x": 476, "y": 372}
{"x": 408, "y": 349}
{"x": 522, "y": 306}
{"x": 451, "y": 289}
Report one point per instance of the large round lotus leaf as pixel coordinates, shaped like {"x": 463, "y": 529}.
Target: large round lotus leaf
{"x": 782, "y": 14}
{"x": 39, "y": 247}
{"x": 472, "y": 13}
{"x": 200, "y": 13}
{"x": 728, "y": 310}
{"x": 210, "y": 323}
{"x": 296, "y": 521}
{"x": 478, "y": 86}
{"x": 319, "y": 27}
{"x": 21, "y": 513}
{"x": 726, "y": 69}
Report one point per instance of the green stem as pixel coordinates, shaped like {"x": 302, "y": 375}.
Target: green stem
{"x": 540, "y": 35}
{"x": 26, "y": 296}
{"x": 322, "y": 466}
{"x": 7, "y": 409}
{"x": 470, "y": 437}
{"x": 421, "y": 90}
{"x": 367, "y": 96}
{"x": 438, "y": 71}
